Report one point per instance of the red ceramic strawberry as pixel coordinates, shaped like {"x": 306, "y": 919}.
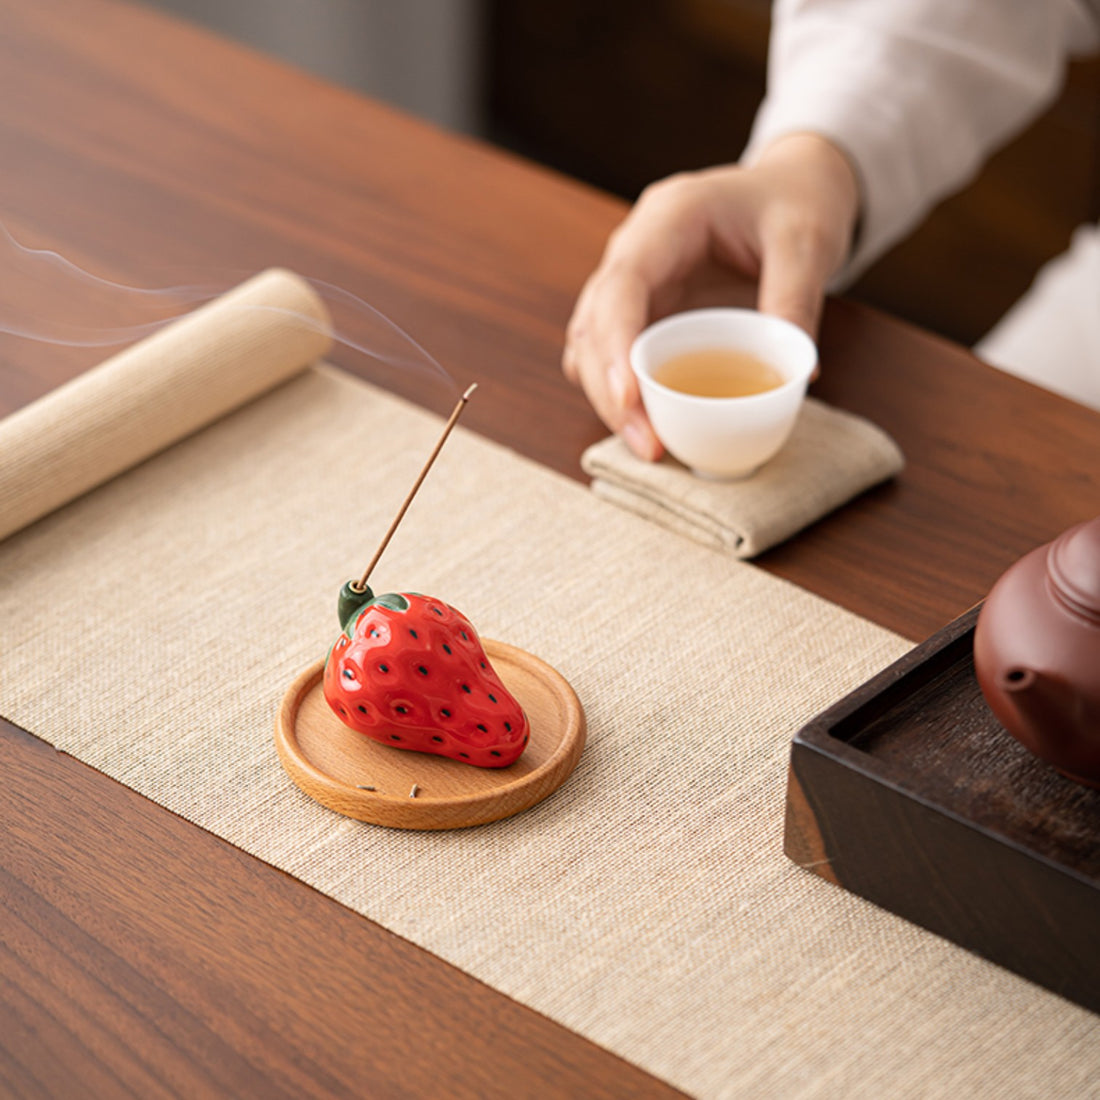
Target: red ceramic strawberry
{"x": 410, "y": 671}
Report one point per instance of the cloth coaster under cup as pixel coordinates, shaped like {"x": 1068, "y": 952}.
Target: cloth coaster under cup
{"x": 831, "y": 457}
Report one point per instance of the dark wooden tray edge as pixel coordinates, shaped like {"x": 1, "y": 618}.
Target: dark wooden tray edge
{"x": 854, "y": 822}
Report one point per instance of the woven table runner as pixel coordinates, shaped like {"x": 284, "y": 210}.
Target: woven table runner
{"x": 647, "y": 904}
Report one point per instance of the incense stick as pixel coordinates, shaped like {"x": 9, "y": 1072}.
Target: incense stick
{"x": 361, "y": 584}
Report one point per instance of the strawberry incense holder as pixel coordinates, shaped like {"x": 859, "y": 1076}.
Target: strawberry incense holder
{"x": 414, "y": 721}
{"x": 410, "y": 672}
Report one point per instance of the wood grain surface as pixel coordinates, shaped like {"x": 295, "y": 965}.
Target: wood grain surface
{"x": 140, "y": 955}
{"x": 144, "y": 957}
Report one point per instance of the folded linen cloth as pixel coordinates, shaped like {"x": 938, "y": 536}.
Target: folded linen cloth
{"x": 831, "y": 457}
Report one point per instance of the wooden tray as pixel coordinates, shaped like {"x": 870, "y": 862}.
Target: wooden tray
{"x": 333, "y": 763}
{"x": 909, "y": 793}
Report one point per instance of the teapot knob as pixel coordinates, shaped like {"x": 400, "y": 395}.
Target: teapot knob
{"x": 1073, "y": 565}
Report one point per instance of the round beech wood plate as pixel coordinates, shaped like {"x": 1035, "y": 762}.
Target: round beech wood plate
{"x": 333, "y": 763}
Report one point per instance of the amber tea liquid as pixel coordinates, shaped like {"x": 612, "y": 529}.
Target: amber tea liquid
{"x": 718, "y": 372}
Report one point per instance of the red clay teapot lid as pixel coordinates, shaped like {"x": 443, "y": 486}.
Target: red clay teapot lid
{"x": 1074, "y": 566}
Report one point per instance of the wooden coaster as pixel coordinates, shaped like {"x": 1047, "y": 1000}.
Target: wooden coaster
{"x": 333, "y": 764}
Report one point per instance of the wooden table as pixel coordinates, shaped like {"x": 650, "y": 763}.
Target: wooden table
{"x": 141, "y": 955}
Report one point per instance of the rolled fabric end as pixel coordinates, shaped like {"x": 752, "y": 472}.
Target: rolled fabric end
{"x": 156, "y": 392}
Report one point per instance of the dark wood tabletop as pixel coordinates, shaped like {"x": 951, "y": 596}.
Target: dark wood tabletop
{"x": 142, "y": 956}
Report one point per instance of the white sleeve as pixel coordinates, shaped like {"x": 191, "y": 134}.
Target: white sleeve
{"x": 916, "y": 92}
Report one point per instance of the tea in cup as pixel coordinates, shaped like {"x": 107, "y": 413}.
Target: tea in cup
{"x": 723, "y": 387}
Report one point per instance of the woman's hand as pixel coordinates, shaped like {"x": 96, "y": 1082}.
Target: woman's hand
{"x": 786, "y": 220}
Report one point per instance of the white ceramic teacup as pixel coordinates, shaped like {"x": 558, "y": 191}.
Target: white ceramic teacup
{"x": 724, "y": 437}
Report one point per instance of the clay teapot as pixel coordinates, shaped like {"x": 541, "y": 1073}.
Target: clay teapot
{"x": 1037, "y": 652}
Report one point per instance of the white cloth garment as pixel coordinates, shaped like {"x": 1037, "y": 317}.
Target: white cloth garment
{"x": 918, "y": 93}
{"x": 1052, "y": 335}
